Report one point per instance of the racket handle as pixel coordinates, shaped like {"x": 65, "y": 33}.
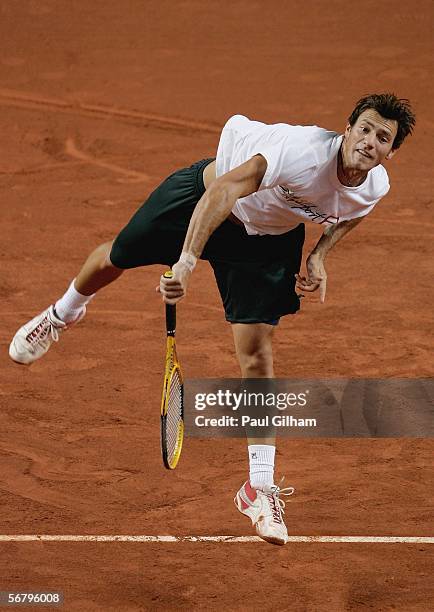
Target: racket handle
{"x": 170, "y": 319}
{"x": 170, "y": 311}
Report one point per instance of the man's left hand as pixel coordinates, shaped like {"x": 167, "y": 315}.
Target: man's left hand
{"x": 316, "y": 277}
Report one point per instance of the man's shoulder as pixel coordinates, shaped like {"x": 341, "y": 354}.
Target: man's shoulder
{"x": 379, "y": 183}
{"x": 313, "y": 132}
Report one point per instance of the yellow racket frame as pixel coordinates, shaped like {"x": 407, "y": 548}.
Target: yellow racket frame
{"x": 172, "y": 367}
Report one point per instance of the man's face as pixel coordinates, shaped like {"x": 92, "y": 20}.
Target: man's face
{"x": 369, "y": 141}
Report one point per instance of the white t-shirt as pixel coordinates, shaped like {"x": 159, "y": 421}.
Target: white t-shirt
{"x": 300, "y": 183}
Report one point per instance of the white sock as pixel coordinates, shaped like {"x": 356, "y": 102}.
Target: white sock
{"x": 261, "y": 462}
{"x": 71, "y": 304}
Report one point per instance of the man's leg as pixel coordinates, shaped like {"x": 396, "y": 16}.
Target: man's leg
{"x": 253, "y": 345}
{"x": 34, "y": 338}
{"x": 255, "y": 277}
{"x": 154, "y": 234}
{"x": 97, "y": 272}
{"x": 259, "y": 498}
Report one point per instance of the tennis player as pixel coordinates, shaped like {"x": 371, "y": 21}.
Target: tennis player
{"x": 244, "y": 212}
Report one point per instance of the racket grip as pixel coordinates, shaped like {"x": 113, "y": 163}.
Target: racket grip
{"x": 170, "y": 311}
{"x": 170, "y": 319}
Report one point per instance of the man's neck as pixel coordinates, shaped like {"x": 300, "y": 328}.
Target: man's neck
{"x": 349, "y": 177}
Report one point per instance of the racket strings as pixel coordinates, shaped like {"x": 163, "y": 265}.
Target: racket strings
{"x": 174, "y": 414}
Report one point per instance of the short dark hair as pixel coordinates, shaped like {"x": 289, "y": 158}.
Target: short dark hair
{"x": 390, "y": 107}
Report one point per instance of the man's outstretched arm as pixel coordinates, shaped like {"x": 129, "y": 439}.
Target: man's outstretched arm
{"x": 316, "y": 274}
{"x": 212, "y": 209}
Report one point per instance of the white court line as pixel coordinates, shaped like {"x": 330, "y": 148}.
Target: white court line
{"x": 221, "y": 538}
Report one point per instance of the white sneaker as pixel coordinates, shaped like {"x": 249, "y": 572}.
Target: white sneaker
{"x": 265, "y": 508}
{"x": 34, "y": 338}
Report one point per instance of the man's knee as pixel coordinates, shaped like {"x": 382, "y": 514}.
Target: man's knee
{"x": 257, "y": 363}
{"x": 253, "y": 345}
{"x": 102, "y": 255}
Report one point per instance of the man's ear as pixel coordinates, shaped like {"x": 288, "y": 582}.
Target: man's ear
{"x": 391, "y": 154}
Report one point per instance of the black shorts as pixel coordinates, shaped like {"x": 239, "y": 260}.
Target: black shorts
{"x": 255, "y": 274}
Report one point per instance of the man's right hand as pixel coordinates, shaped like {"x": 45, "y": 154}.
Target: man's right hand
{"x": 174, "y": 288}
{"x": 210, "y": 212}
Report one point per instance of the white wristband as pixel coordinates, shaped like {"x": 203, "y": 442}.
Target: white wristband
{"x": 189, "y": 260}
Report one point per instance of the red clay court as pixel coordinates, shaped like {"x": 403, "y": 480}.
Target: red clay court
{"x": 101, "y": 101}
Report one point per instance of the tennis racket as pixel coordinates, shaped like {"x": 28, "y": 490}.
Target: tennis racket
{"x": 172, "y": 402}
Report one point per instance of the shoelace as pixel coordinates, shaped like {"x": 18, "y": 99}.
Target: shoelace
{"x": 277, "y": 503}
{"x": 40, "y": 334}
